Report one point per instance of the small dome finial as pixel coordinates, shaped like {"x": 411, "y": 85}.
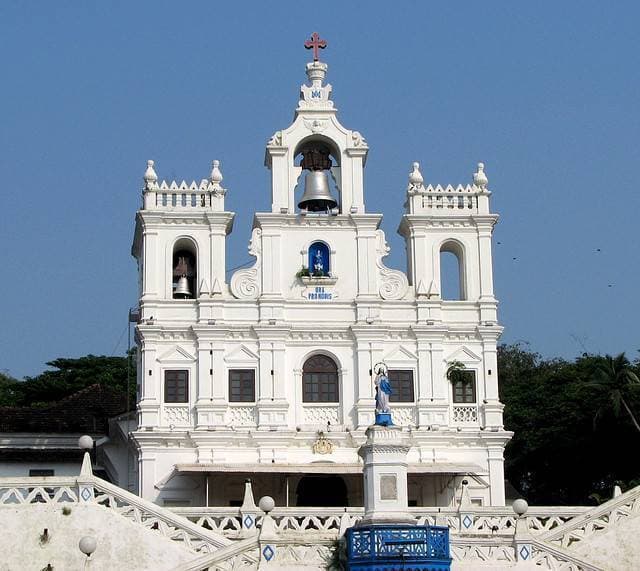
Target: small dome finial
{"x": 415, "y": 176}
{"x": 480, "y": 178}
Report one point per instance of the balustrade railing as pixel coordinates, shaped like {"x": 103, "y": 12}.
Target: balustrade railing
{"x": 477, "y": 533}
{"x": 464, "y": 413}
{"x": 488, "y": 520}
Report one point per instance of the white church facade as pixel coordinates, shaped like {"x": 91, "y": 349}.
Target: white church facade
{"x": 269, "y": 375}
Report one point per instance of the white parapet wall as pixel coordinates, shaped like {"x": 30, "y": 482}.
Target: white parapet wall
{"x": 121, "y": 544}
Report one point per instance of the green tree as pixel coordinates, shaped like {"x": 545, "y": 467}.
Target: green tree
{"x": 8, "y": 392}
{"x": 616, "y": 377}
{"x": 556, "y": 455}
{"x": 71, "y": 375}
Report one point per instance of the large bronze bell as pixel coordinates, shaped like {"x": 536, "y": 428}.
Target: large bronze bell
{"x": 182, "y": 289}
{"x": 317, "y": 196}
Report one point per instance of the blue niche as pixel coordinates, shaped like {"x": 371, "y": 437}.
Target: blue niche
{"x": 319, "y": 260}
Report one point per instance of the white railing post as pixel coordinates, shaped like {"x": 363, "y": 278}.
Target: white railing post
{"x": 522, "y": 536}
{"x": 248, "y": 512}
{"x": 268, "y": 534}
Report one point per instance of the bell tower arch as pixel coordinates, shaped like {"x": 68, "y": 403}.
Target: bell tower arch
{"x": 326, "y": 147}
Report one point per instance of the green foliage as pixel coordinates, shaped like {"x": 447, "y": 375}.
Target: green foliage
{"x": 456, "y": 372}
{"x": 8, "y": 390}
{"x": 558, "y": 455}
{"x": 67, "y": 377}
{"x": 303, "y": 272}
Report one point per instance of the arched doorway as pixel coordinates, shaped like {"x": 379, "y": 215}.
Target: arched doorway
{"x": 321, "y": 491}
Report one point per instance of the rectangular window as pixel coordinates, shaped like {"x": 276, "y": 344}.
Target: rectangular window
{"x": 176, "y": 386}
{"x": 41, "y": 473}
{"x": 402, "y": 385}
{"x": 242, "y": 385}
{"x": 464, "y": 387}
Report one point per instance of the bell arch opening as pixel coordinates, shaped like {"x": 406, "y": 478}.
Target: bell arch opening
{"x": 452, "y": 272}
{"x": 184, "y": 273}
{"x": 317, "y": 158}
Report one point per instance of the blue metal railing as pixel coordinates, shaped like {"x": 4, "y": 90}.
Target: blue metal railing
{"x": 415, "y": 547}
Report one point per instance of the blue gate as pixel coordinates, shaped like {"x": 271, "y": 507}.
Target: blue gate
{"x": 398, "y": 547}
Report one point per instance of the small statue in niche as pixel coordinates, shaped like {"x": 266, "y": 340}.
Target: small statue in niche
{"x": 383, "y": 392}
{"x": 318, "y": 265}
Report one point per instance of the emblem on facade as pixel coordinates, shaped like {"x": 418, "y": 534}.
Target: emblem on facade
{"x": 322, "y": 445}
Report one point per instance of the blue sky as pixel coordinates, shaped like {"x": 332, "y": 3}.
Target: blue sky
{"x": 546, "y": 94}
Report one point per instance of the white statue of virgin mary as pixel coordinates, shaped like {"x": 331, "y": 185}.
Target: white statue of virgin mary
{"x": 383, "y": 389}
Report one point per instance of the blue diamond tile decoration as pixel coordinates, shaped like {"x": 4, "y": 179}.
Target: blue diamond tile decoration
{"x": 467, "y": 522}
{"x": 268, "y": 552}
{"x": 524, "y": 553}
{"x": 248, "y": 521}
{"x": 86, "y": 494}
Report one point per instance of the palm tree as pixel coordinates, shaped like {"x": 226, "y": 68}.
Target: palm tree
{"x": 616, "y": 376}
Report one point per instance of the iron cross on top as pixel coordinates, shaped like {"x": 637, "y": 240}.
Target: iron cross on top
{"x": 314, "y": 44}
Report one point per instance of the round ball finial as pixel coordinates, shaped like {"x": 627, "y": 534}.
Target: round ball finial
{"x": 480, "y": 178}
{"x": 85, "y": 442}
{"x": 87, "y": 545}
{"x": 266, "y": 504}
{"x": 520, "y": 507}
{"x": 415, "y": 176}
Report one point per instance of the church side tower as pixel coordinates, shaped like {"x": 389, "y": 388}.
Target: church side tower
{"x": 179, "y": 246}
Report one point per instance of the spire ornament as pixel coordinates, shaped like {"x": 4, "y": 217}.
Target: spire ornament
{"x": 416, "y": 181}
{"x": 480, "y": 178}
{"x": 150, "y": 177}
{"x": 315, "y": 44}
{"x": 215, "y": 178}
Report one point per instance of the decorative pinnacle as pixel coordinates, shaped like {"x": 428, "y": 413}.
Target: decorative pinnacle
{"x": 315, "y": 43}
{"x": 480, "y": 178}
{"x": 150, "y": 176}
{"x": 215, "y": 178}
{"x": 415, "y": 176}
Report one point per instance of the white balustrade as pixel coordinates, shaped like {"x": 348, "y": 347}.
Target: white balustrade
{"x": 177, "y": 415}
{"x": 241, "y": 416}
{"x": 321, "y": 415}
{"x": 464, "y": 413}
{"x": 403, "y": 415}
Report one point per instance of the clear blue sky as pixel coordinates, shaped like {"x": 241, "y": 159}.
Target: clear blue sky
{"x": 545, "y": 93}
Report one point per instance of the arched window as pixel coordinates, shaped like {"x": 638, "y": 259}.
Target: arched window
{"x": 320, "y": 380}
{"x": 319, "y": 260}
{"x": 184, "y": 270}
{"x": 452, "y": 279}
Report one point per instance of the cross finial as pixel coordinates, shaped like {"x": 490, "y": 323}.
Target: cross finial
{"x": 315, "y": 43}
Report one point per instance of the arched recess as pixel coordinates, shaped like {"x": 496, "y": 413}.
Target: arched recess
{"x": 184, "y": 263}
{"x": 319, "y": 259}
{"x": 321, "y": 154}
{"x": 320, "y": 379}
{"x": 452, "y": 271}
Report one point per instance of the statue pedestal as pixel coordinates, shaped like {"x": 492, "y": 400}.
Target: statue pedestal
{"x": 385, "y": 476}
{"x": 383, "y": 419}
